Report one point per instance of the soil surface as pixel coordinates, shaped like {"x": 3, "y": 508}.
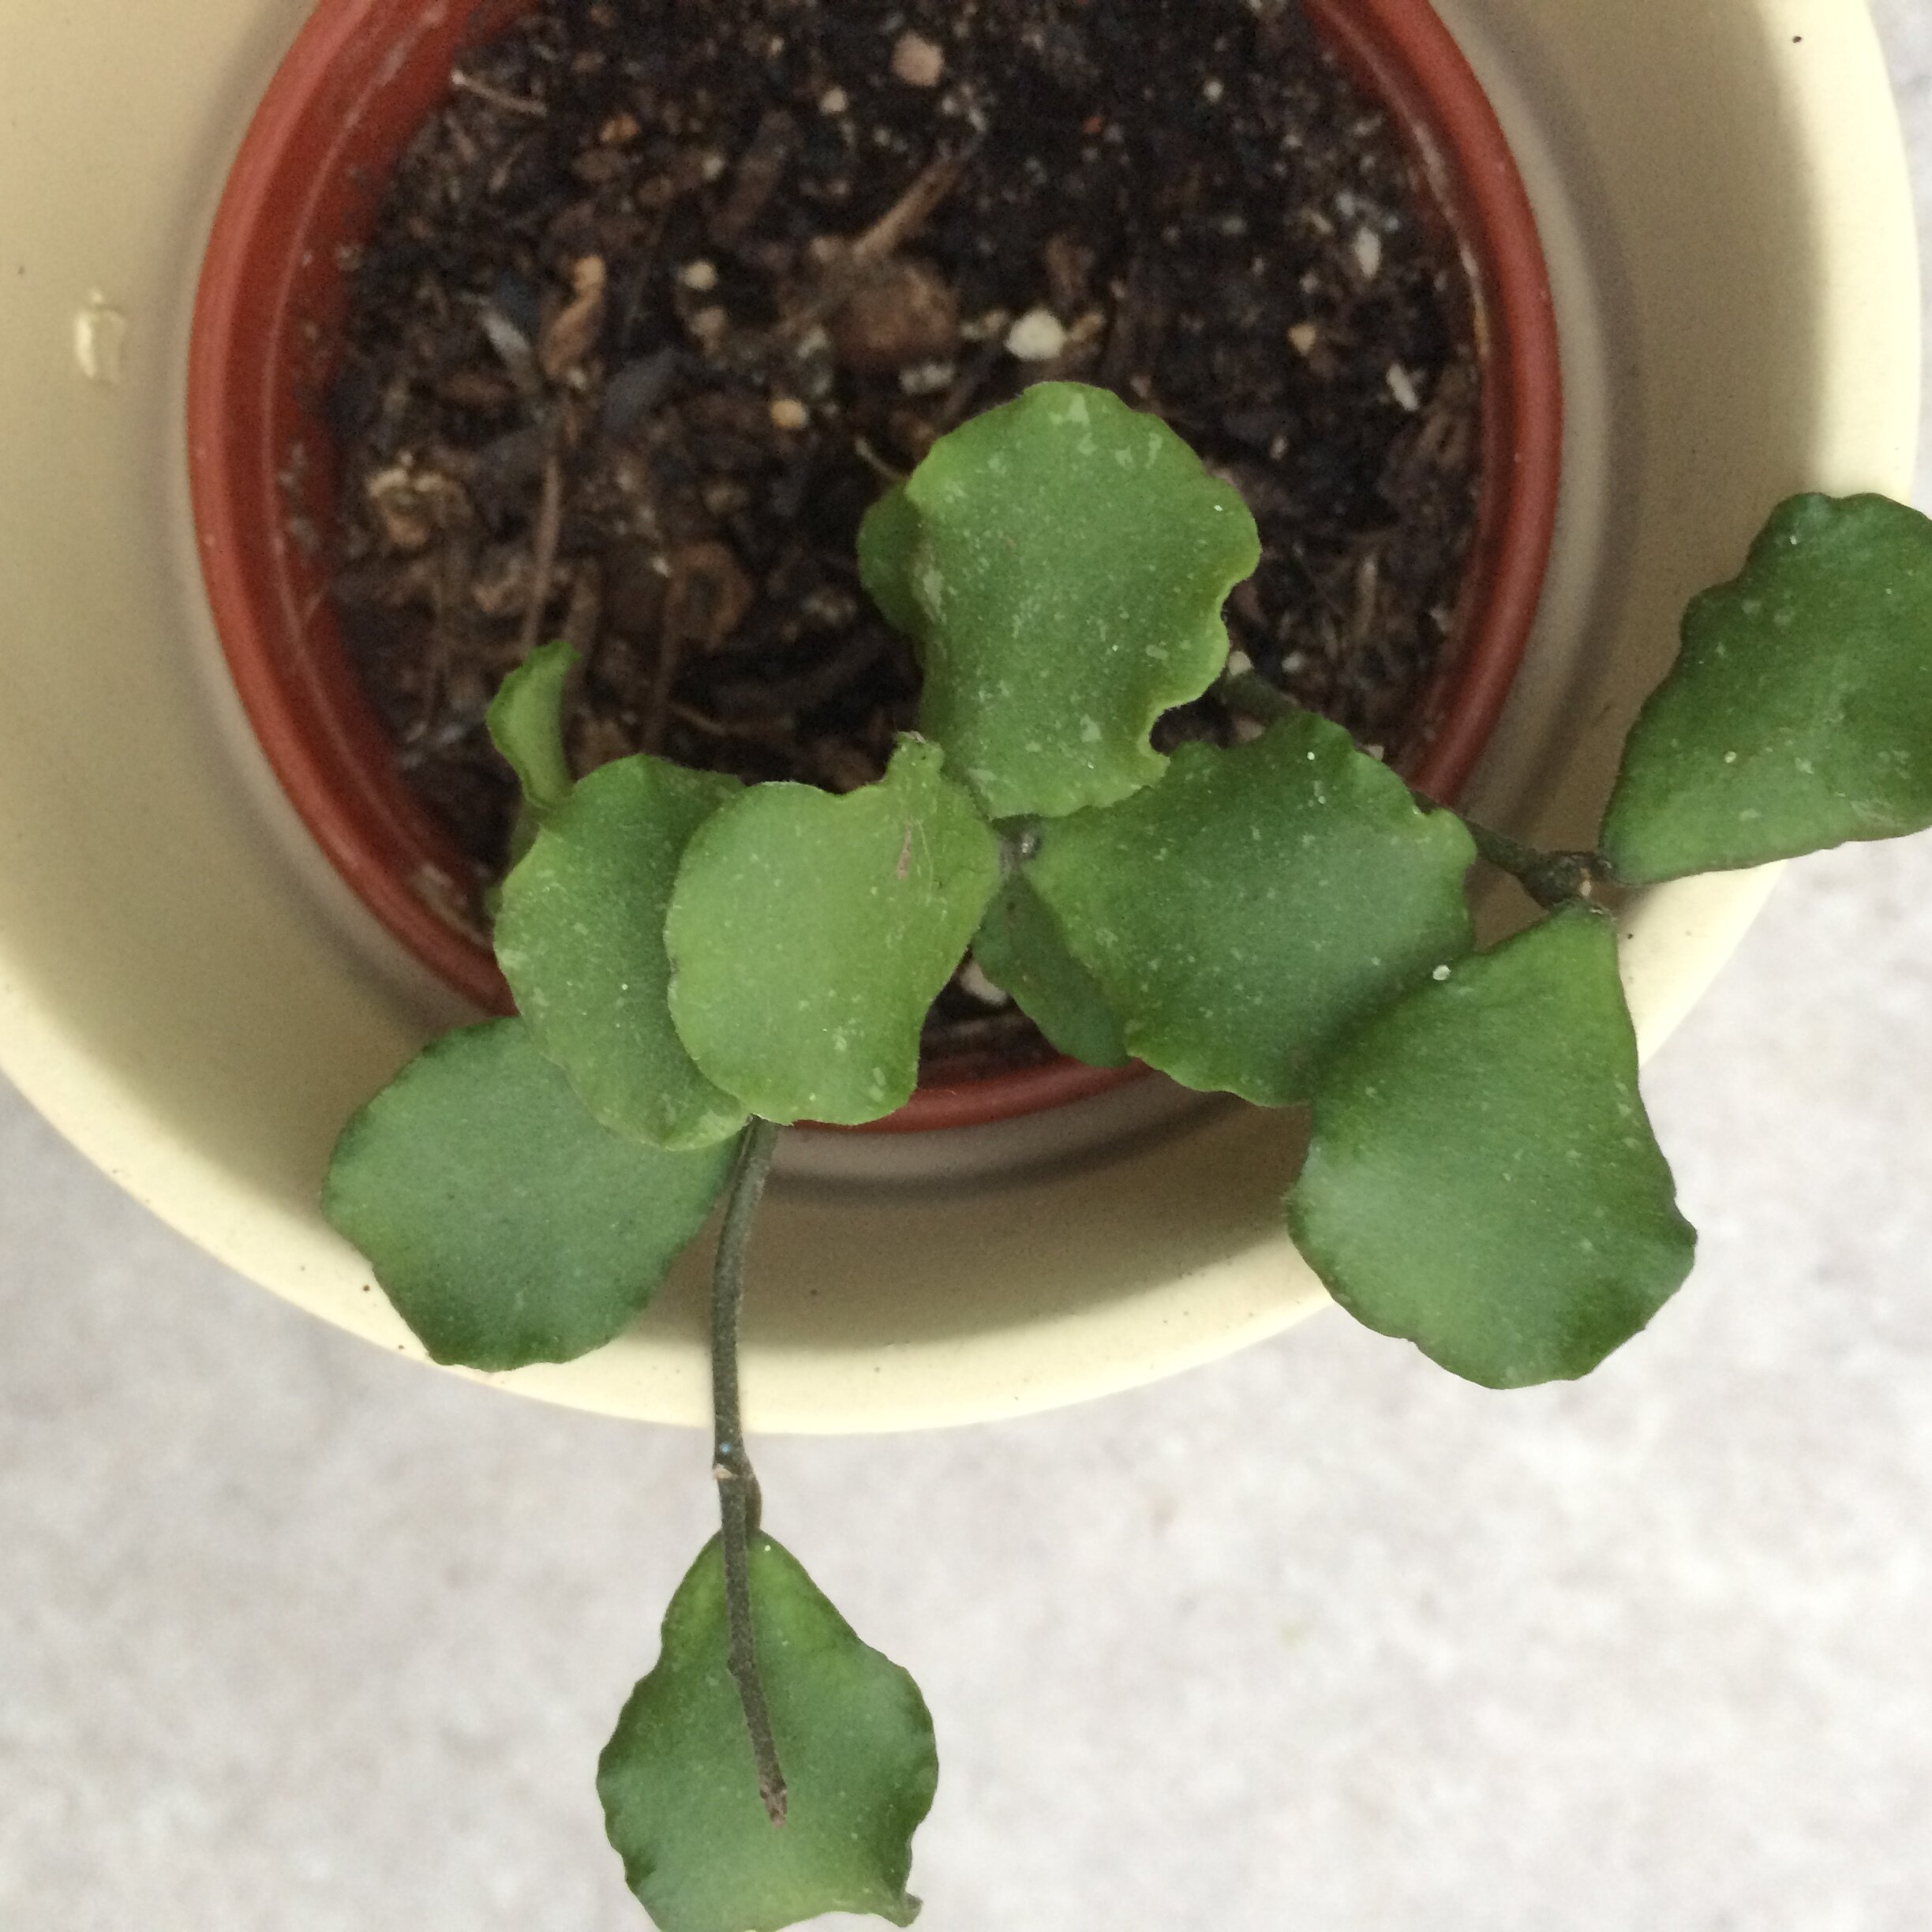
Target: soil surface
{"x": 671, "y": 289}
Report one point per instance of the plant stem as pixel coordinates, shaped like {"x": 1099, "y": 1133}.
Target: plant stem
{"x": 1253, "y": 696}
{"x": 1552, "y": 879}
{"x": 738, "y": 1502}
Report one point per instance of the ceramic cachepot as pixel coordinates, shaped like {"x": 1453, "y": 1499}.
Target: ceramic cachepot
{"x": 190, "y": 992}
{"x": 300, "y": 199}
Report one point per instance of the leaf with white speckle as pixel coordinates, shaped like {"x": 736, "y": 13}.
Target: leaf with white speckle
{"x": 853, "y": 1738}
{"x": 808, "y": 934}
{"x": 1244, "y": 912}
{"x": 1481, "y": 1179}
{"x": 504, "y": 1223}
{"x": 1060, "y": 562}
{"x": 1798, "y": 714}
{"x": 580, "y": 938}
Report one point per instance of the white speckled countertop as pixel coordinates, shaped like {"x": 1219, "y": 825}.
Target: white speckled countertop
{"x": 294, "y": 1638}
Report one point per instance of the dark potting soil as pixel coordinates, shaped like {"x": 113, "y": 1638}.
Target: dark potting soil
{"x": 672, "y": 288}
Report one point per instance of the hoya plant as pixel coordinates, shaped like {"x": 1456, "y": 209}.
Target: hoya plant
{"x": 698, "y": 965}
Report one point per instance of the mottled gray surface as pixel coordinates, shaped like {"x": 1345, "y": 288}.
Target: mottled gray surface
{"x": 293, "y": 1636}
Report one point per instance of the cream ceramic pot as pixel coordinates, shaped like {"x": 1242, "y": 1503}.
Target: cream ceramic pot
{"x": 189, "y": 994}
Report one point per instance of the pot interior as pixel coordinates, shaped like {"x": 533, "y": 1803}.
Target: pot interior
{"x": 302, "y": 198}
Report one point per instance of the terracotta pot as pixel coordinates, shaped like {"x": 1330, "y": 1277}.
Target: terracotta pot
{"x": 360, "y": 77}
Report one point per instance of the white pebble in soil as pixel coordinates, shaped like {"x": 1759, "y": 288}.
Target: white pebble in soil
{"x": 1038, "y": 336}
{"x": 917, "y": 62}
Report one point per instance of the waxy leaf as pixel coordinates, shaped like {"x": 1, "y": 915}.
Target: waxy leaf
{"x": 1799, "y": 712}
{"x": 1068, "y": 558}
{"x": 808, "y": 934}
{"x": 527, "y": 725}
{"x": 580, "y": 937}
{"x": 504, "y": 1223}
{"x": 1243, "y": 914}
{"x": 1482, "y": 1179}
{"x": 854, "y": 1742}
{"x": 1019, "y": 949}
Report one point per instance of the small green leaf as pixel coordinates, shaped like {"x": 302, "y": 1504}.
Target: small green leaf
{"x": 580, "y": 937}
{"x": 887, "y": 538}
{"x": 527, "y": 725}
{"x": 1482, "y": 1179}
{"x": 808, "y": 934}
{"x": 1241, "y": 916}
{"x": 1798, "y": 714}
{"x": 680, "y": 1796}
{"x": 1020, "y": 948}
{"x": 504, "y": 1223}
{"x": 1069, "y": 566}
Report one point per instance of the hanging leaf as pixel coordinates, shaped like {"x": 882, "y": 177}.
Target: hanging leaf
{"x": 1241, "y": 916}
{"x": 580, "y": 937}
{"x": 1798, "y": 714}
{"x": 680, "y": 1796}
{"x": 504, "y": 1223}
{"x": 808, "y": 934}
{"x": 1062, "y": 561}
{"x": 1021, "y": 949}
{"x": 527, "y": 725}
{"x": 1482, "y": 1179}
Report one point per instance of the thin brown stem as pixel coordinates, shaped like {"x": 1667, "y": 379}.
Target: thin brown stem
{"x": 510, "y": 103}
{"x": 738, "y": 1499}
{"x": 857, "y": 262}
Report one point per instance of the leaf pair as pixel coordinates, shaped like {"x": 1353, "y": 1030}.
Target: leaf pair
{"x": 1280, "y": 921}
{"x": 691, "y": 952}
{"x": 519, "y": 1190}
{"x": 1482, "y": 1178}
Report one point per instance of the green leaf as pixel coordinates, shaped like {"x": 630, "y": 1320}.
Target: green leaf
{"x": 1020, "y": 948}
{"x": 680, "y": 1796}
{"x": 527, "y": 725}
{"x": 1069, "y": 566}
{"x": 580, "y": 937}
{"x": 887, "y": 538}
{"x": 1247, "y": 910}
{"x": 1799, "y": 712}
{"x": 1482, "y": 1179}
{"x": 504, "y": 1223}
{"x": 808, "y": 934}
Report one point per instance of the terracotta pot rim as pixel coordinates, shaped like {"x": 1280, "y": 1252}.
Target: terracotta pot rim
{"x": 253, "y": 441}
